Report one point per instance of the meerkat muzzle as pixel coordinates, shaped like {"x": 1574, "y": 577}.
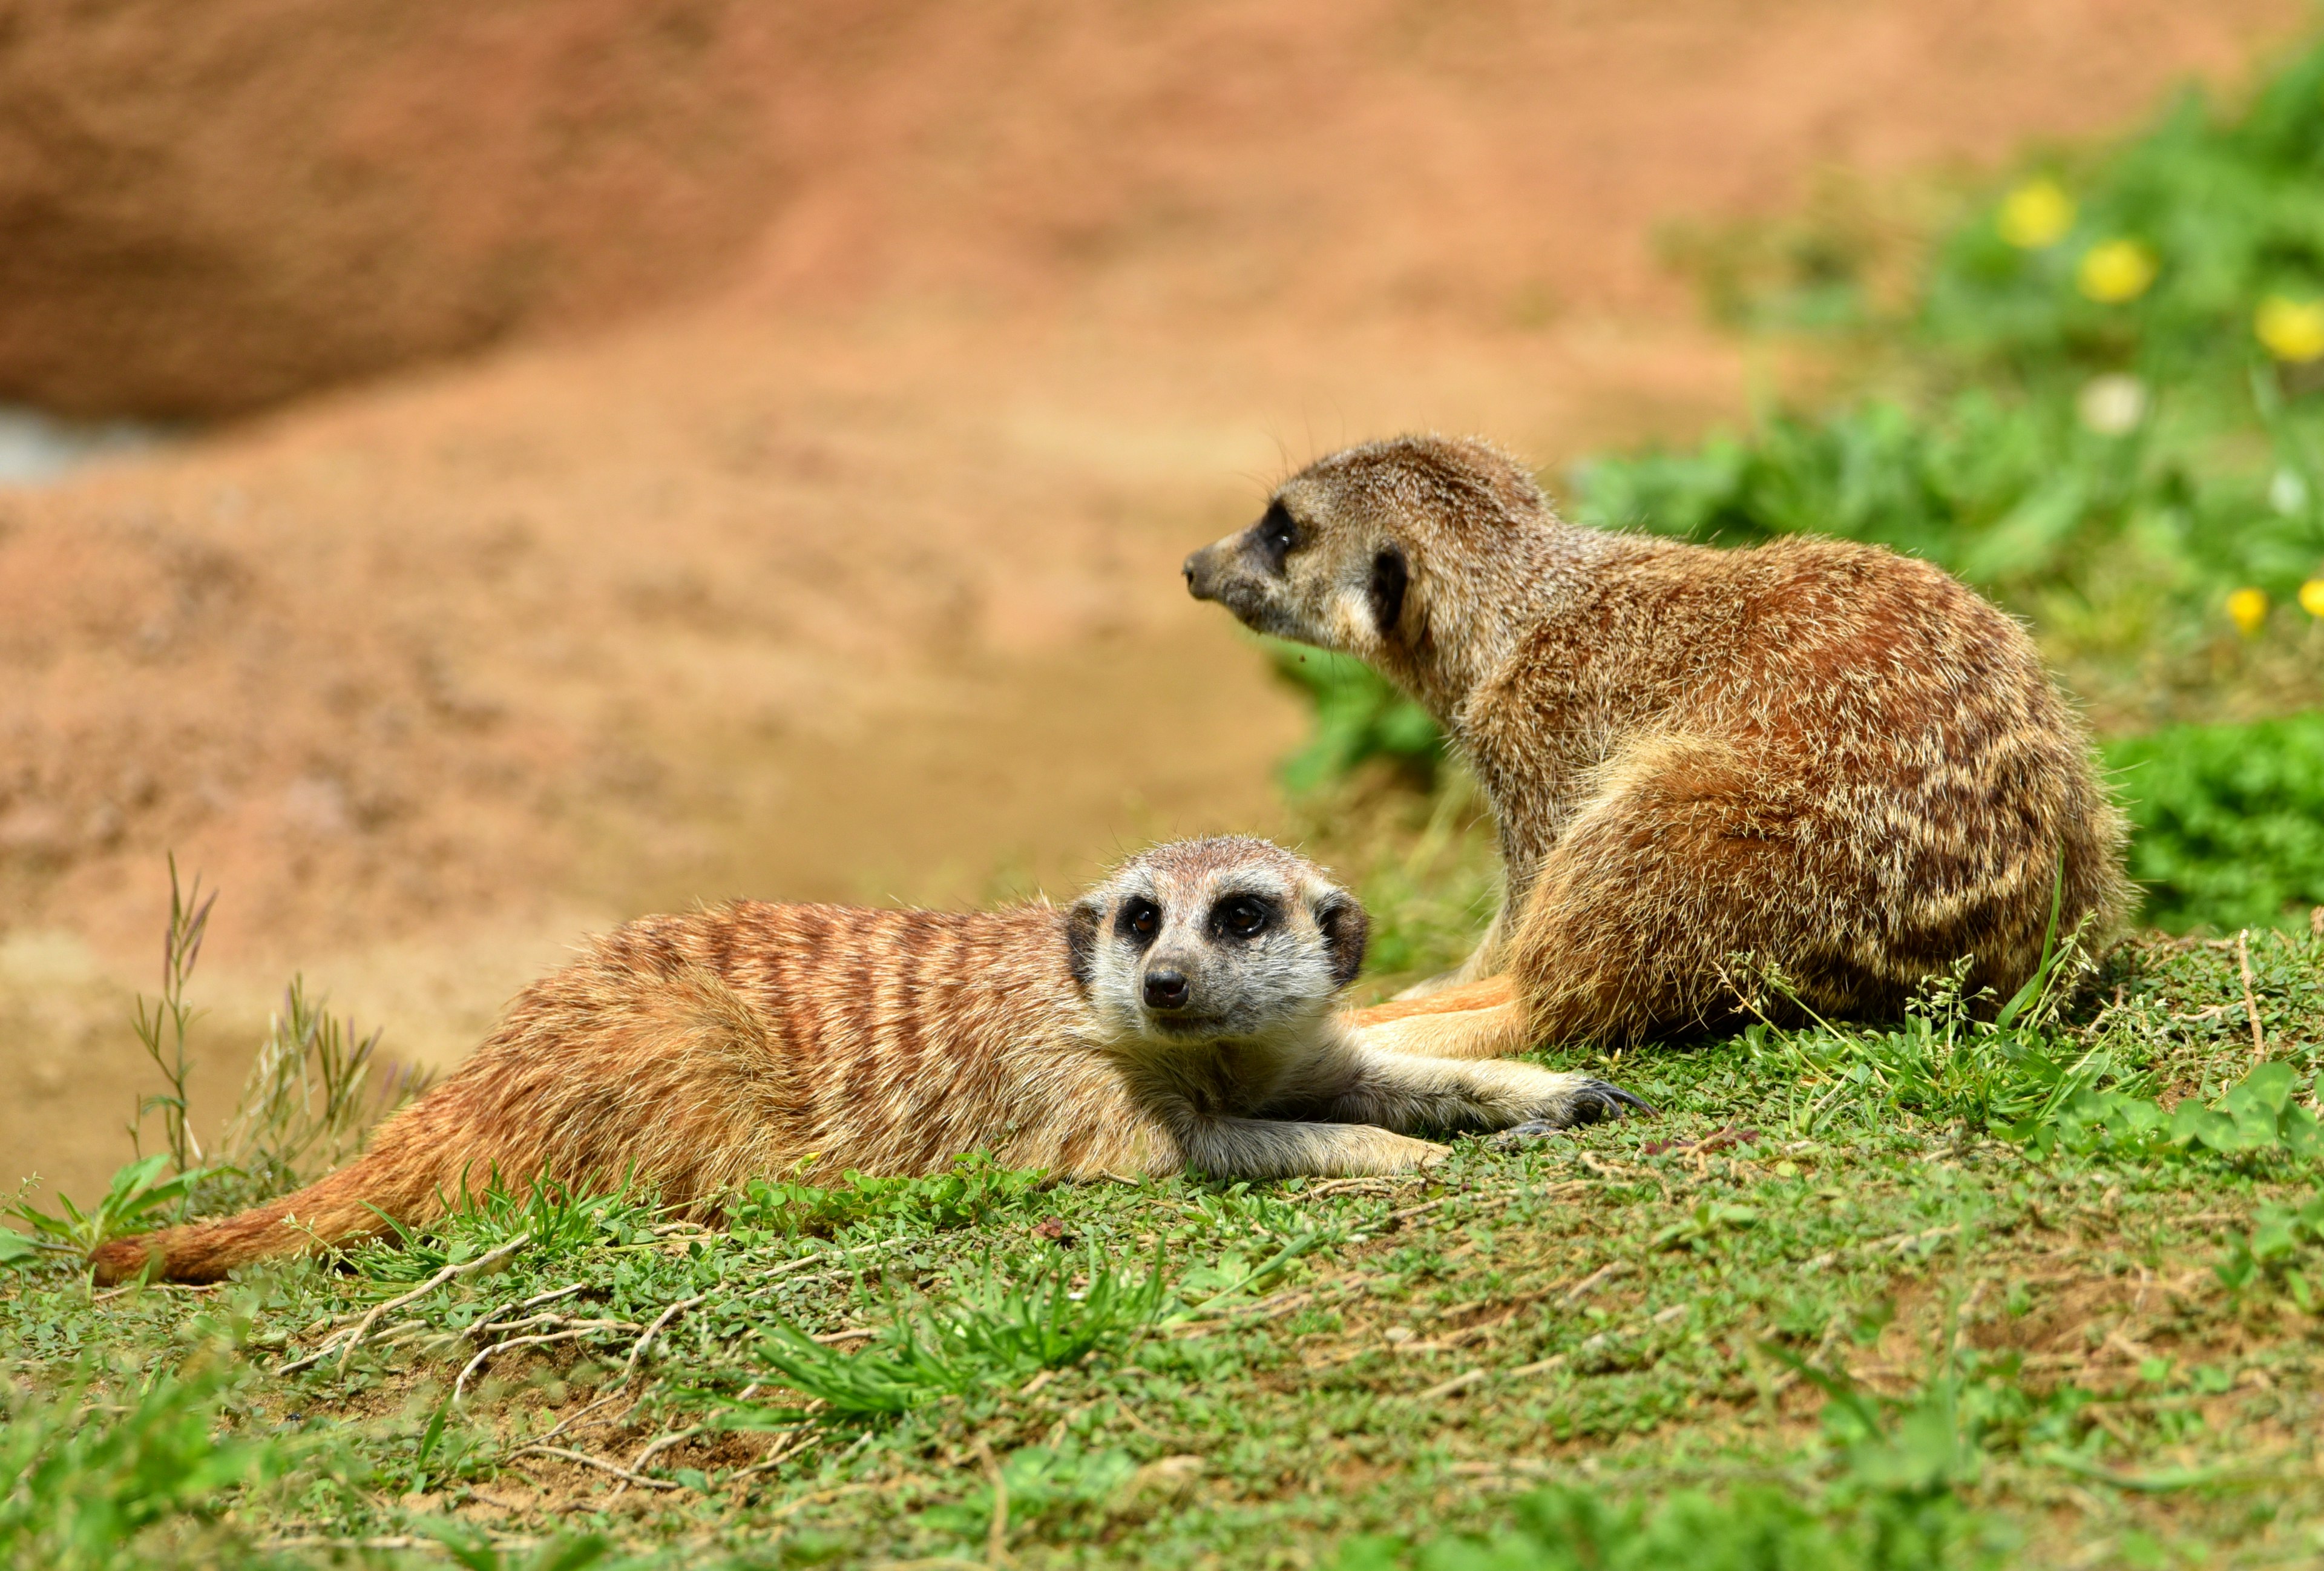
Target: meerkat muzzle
{"x": 1165, "y": 990}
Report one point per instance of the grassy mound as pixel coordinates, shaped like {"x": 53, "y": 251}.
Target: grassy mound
{"x": 1930, "y": 1295}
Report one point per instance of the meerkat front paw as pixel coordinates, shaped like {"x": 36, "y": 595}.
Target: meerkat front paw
{"x": 1584, "y": 1101}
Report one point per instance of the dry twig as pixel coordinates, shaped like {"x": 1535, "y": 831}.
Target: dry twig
{"x": 653, "y": 1448}
{"x": 794, "y": 1442}
{"x": 996, "y": 1535}
{"x": 2250, "y": 1002}
{"x": 1575, "y": 1294}
{"x": 460, "y": 1386}
{"x": 534, "y": 1302}
{"x": 1445, "y": 1388}
{"x": 638, "y": 1348}
{"x": 345, "y": 1349}
{"x": 599, "y": 1463}
{"x": 567, "y": 1423}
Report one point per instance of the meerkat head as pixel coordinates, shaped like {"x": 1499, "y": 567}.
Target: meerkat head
{"x": 1374, "y": 550}
{"x": 1228, "y": 940}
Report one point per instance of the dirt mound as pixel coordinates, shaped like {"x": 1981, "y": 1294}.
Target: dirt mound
{"x": 856, "y": 576}
{"x": 207, "y": 209}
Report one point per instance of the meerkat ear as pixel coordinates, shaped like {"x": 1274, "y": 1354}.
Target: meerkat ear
{"x": 1391, "y": 577}
{"x": 1082, "y": 924}
{"x": 1346, "y": 930}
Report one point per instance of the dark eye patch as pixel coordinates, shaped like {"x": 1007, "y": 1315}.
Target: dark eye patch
{"x": 1275, "y": 536}
{"x": 1138, "y": 921}
{"x": 1243, "y": 916}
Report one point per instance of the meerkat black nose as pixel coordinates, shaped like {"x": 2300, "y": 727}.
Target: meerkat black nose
{"x": 1165, "y": 989}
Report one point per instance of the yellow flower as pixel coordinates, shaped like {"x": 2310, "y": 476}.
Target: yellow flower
{"x": 2293, "y": 329}
{"x": 2115, "y": 270}
{"x": 2249, "y": 609}
{"x": 2036, "y": 214}
{"x": 2311, "y": 597}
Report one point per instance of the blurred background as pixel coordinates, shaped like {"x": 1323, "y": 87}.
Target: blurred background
{"x": 470, "y": 474}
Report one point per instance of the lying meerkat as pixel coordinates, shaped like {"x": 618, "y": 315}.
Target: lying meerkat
{"x": 1179, "y": 1015}
{"x": 1819, "y": 754}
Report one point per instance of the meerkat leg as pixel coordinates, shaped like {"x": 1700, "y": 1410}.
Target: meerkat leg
{"x": 1493, "y": 1033}
{"x": 1487, "y": 995}
{"x": 1687, "y": 856}
{"x": 1400, "y": 1091}
{"x": 1264, "y": 1148}
{"x": 1482, "y": 1019}
{"x": 1691, "y": 857}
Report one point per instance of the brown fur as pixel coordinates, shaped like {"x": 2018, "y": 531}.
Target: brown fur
{"x": 697, "y": 1051}
{"x": 1821, "y": 756}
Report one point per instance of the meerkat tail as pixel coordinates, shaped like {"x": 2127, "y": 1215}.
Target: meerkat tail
{"x": 343, "y": 1207}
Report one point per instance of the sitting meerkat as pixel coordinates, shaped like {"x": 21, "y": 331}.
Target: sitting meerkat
{"x": 1179, "y": 1015}
{"x": 1813, "y": 754}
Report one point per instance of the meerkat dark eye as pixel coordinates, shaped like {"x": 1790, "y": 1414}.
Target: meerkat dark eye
{"x": 1275, "y": 536}
{"x": 1139, "y": 920}
{"x": 1242, "y": 916}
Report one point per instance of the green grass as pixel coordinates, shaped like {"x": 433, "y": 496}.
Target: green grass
{"x": 1358, "y": 717}
{"x": 89, "y": 1475}
{"x": 2228, "y": 821}
{"x": 1937, "y": 1294}
{"x": 1933, "y": 1294}
{"x": 2134, "y": 464}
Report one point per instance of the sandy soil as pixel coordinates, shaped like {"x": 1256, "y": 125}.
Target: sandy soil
{"x": 841, "y": 561}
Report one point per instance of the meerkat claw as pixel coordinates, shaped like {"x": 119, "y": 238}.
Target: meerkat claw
{"x": 1597, "y": 1100}
{"x": 1523, "y": 1134}
{"x": 1592, "y": 1102}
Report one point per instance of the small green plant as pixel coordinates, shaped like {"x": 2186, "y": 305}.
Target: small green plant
{"x": 555, "y": 1219}
{"x": 133, "y": 1202}
{"x": 1919, "y": 1448}
{"x": 309, "y": 1100}
{"x": 1045, "y": 1487}
{"x": 1945, "y": 1061}
{"x": 1359, "y": 716}
{"x": 304, "y": 1105}
{"x": 86, "y": 1476}
{"x": 2277, "y": 1250}
{"x": 997, "y": 1332}
{"x": 2256, "y": 1116}
{"x": 161, "y": 1026}
{"x": 1567, "y": 1528}
{"x": 468, "y": 1548}
{"x": 975, "y": 1190}
{"x": 2229, "y": 822}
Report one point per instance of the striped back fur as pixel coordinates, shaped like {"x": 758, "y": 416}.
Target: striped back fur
{"x": 694, "y": 1052}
